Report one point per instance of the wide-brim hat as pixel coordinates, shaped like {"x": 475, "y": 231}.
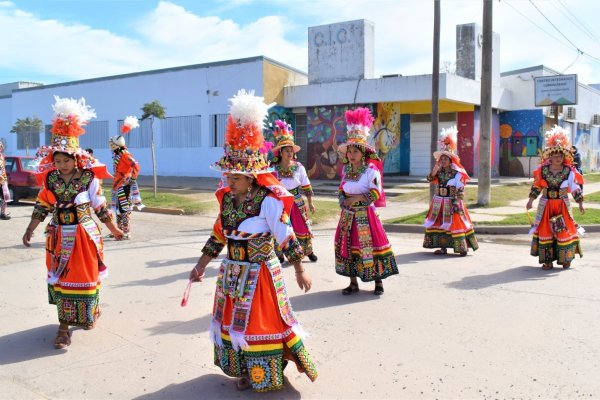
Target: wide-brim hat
{"x": 242, "y": 162}
{"x": 284, "y": 136}
{"x": 449, "y": 154}
{"x": 366, "y": 147}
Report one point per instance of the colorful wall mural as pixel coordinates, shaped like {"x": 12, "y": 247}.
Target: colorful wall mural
{"x": 327, "y": 128}
{"x": 582, "y": 139}
{"x": 521, "y": 137}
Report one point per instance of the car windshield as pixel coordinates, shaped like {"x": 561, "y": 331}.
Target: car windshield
{"x": 30, "y": 164}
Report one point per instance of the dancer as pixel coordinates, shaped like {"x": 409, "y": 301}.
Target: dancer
{"x": 125, "y": 191}
{"x": 362, "y": 249}
{"x": 4, "y": 193}
{"x": 74, "y": 248}
{"x": 293, "y": 177}
{"x": 448, "y": 223}
{"x": 254, "y": 329}
{"x": 555, "y": 232}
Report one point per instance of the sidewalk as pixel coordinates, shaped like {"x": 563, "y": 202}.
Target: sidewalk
{"x": 394, "y": 185}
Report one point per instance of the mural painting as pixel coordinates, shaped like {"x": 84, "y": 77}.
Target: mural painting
{"x": 327, "y": 128}
{"x": 521, "y": 135}
{"x": 582, "y": 140}
{"x": 385, "y": 135}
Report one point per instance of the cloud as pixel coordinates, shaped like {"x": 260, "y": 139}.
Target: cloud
{"x": 171, "y": 35}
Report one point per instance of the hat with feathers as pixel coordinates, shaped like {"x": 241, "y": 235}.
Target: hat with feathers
{"x": 447, "y": 144}
{"x": 70, "y": 117}
{"x": 243, "y": 136}
{"x": 284, "y": 136}
{"x": 129, "y": 123}
{"x": 358, "y": 126}
{"x": 557, "y": 141}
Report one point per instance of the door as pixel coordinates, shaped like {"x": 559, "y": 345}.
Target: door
{"x": 420, "y": 152}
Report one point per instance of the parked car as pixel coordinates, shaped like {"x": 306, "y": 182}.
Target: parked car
{"x": 21, "y": 177}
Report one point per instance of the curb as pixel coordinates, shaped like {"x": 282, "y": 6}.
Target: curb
{"x": 481, "y": 229}
{"x": 168, "y": 211}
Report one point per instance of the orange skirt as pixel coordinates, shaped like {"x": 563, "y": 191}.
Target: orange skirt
{"x": 76, "y": 294}
{"x": 271, "y": 342}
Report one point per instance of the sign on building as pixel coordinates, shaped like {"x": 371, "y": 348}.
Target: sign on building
{"x": 557, "y": 90}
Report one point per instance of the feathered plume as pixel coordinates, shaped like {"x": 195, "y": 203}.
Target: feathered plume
{"x": 70, "y": 116}
{"x": 447, "y": 139}
{"x": 359, "y": 119}
{"x": 129, "y": 123}
{"x": 557, "y": 137}
{"x": 245, "y": 122}
{"x": 282, "y": 128}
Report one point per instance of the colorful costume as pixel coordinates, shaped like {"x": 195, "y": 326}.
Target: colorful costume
{"x": 4, "y": 193}
{"x": 555, "y": 232}
{"x": 254, "y": 328}
{"x": 362, "y": 248}
{"x": 74, "y": 246}
{"x": 448, "y": 223}
{"x": 125, "y": 191}
{"x": 296, "y": 181}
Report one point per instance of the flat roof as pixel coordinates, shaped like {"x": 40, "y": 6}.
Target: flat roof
{"x": 163, "y": 70}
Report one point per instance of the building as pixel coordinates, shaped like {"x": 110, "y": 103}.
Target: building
{"x": 340, "y": 76}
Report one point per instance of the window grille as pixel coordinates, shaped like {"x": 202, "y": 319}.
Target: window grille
{"x": 139, "y": 137}
{"x": 218, "y": 122}
{"x": 181, "y": 132}
{"x": 96, "y": 135}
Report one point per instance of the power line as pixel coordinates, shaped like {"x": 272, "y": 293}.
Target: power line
{"x": 579, "y": 23}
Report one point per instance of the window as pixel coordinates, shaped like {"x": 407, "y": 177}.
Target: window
{"x": 96, "y": 135}
{"x": 47, "y": 134}
{"x": 29, "y": 140}
{"x": 218, "y": 122}
{"x": 138, "y": 137}
{"x": 181, "y": 132}
{"x": 301, "y": 138}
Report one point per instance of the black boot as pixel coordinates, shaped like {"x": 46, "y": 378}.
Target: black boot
{"x": 312, "y": 257}
{"x": 4, "y": 217}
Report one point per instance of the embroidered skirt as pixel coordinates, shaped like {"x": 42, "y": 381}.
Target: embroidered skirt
{"x": 269, "y": 339}
{"x": 76, "y": 289}
{"x": 549, "y": 245}
{"x": 362, "y": 248}
{"x": 447, "y": 229}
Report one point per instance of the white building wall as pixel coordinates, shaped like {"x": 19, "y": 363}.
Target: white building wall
{"x": 182, "y": 91}
{"x": 6, "y": 124}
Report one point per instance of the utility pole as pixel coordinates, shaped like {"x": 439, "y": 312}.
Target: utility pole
{"x": 435, "y": 87}
{"x": 484, "y": 174}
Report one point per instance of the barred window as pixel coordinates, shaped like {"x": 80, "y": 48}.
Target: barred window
{"x": 96, "y": 135}
{"x": 139, "y": 137}
{"x": 218, "y": 122}
{"x": 32, "y": 139}
{"x": 301, "y": 138}
{"x": 47, "y": 134}
{"x": 180, "y": 132}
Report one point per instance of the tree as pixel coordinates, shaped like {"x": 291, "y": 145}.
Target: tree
{"x": 27, "y": 127}
{"x": 153, "y": 110}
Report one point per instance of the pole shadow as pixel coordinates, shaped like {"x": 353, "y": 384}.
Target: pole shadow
{"x": 217, "y": 386}
{"x": 30, "y": 344}
{"x": 193, "y": 327}
{"x": 517, "y": 274}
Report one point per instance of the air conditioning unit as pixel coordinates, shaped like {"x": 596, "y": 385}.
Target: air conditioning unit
{"x": 596, "y": 119}
{"x": 571, "y": 113}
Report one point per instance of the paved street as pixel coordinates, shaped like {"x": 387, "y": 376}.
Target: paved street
{"x": 490, "y": 325}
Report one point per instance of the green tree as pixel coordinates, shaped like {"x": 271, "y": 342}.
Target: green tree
{"x": 26, "y": 127}
{"x": 153, "y": 110}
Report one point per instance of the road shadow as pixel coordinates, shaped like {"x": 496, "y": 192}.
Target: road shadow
{"x": 29, "y": 344}
{"x": 424, "y": 255}
{"x": 517, "y": 274}
{"x": 33, "y": 245}
{"x": 169, "y": 262}
{"x": 195, "y": 326}
{"x": 333, "y": 298}
{"x": 217, "y": 386}
{"x": 166, "y": 279}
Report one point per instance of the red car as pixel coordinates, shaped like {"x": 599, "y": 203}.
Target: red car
{"x": 21, "y": 177}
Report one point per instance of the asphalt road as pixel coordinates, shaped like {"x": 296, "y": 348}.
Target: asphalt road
{"x": 489, "y": 325}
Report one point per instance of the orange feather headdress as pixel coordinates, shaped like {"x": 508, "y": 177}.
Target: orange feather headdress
{"x": 243, "y": 136}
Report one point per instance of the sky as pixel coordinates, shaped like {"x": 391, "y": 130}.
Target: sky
{"x": 53, "y": 41}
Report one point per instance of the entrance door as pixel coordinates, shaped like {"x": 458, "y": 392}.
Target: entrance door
{"x": 420, "y": 152}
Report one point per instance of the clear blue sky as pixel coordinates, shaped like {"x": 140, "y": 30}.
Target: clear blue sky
{"x": 52, "y": 41}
